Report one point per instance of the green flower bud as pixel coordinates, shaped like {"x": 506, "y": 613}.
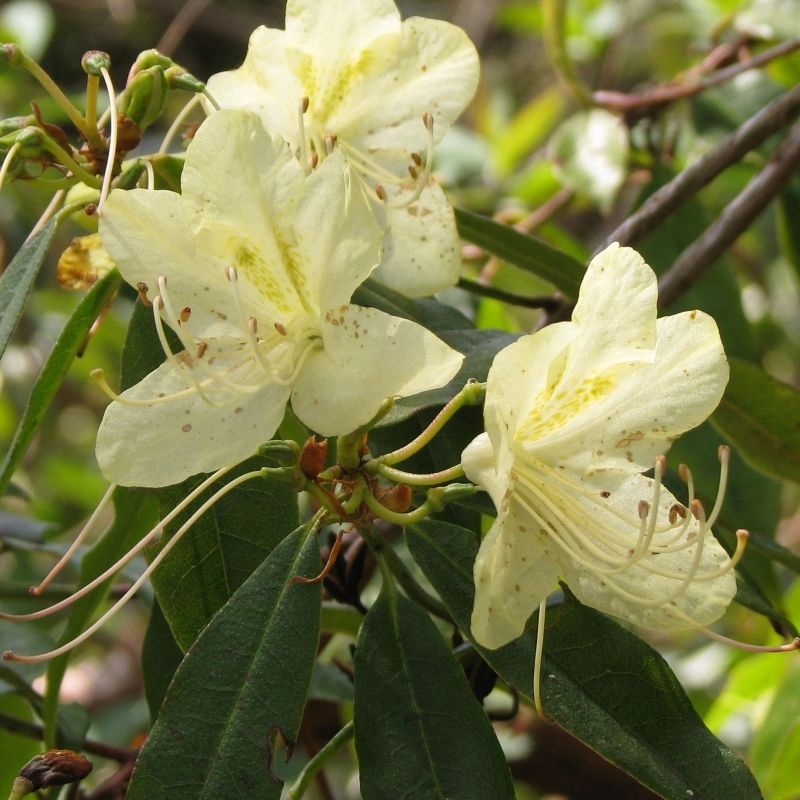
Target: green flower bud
{"x": 145, "y": 96}
{"x": 147, "y": 59}
{"x": 13, "y": 124}
{"x": 94, "y": 61}
{"x": 30, "y": 140}
{"x": 286, "y": 453}
{"x": 130, "y": 175}
{"x": 178, "y": 78}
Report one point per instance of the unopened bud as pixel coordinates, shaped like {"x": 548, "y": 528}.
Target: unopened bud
{"x": 397, "y": 499}
{"x": 147, "y": 59}
{"x": 13, "y": 124}
{"x": 130, "y": 175}
{"x": 312, "y": 459}
{"x": 178, "y": 78}
{"x": 286, "y": 453}
{"x": 55, "y": 768}
{"x": 145, "y": 96}
{"x": 94, "y": 61}
{"x": 439, "y": 497}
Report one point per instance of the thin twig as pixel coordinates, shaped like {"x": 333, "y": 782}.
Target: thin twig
{"x": 618, "y": 101}
{"x": 547, "y": 301}
{"x": 179, "y": 26}
{"x": 95, "y": 748}
{"x": 669, "y": 198}
{"x": 734, "y": 219}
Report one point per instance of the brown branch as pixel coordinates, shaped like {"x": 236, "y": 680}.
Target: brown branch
{"x": 661, "y": 95}
{"x": 735, "y": 218}
{"x": 180, "y": 25}
{"x": 549, "y": 302}
{"x": 91, "y": 746}
{"x": 670, "y": 197}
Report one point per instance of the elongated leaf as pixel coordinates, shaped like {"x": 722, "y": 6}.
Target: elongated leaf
{"x": 420, "y": 732}
{"x": 227, "y": 543}
{"x": 17, "y": 280}
{"x": 761, "y": 416}
{"x": 64, "y": 351}
{"x": 599, "y": 681}
{"x": 246, "y": 676}
{"x": 523, "y": 251}
{"x": 161, "y": 656}
{"x": 134, "y": 515}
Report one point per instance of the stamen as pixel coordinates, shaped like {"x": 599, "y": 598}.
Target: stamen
{"x": 422, "y": 182}
{"x": 184, "y": 315}
{"x": 752, "y": 648}
{"x": 417, "y": 159}
{"x": 314, "y": 160}
{"x": 112, "y": 142}
{"x": 10, "y": 656}
{"x": 201, "y": 350}
{"x": 724, "y": 455}
{"x": 281, "y": 328}
{"x": 177, "y": 122}
{"x": 140, "y": 545}
{"x": 211, "y": 100}
{"x": 379, "y": 190}
{"x": 151, "y": 176}
{"x": 330, "y": 141}
{"x": 537, "y": 664}
{"x": 37, "y": 590}
{"x": 412, "y": 171}
{"x": 302, "y": 107}
{"x": 97, "y": 375}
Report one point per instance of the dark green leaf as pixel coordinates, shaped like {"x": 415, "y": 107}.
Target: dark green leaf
{"x": 161, "y": 656}
{"x": 430, "y": 314}
{"x": 68, "y": 344}
{"x": 328, "y": 682}
{"x": 134, "y": 516}
{"x": 523, "y": 251}
{"x": 761, "y": 417}
{"x": 599, "y": 681}
{"x": 222, "y": 548}
{"x": 420, "y": 732}
{"x": 17, "y": 280}
{"x": 788, "y": 219}
{"x": 246, "y": 676}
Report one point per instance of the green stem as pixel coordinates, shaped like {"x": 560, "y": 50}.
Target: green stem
{"x": 396, "y": 518}
{"x": 548, "y": 302}
{"x": 303, "y": 781}
{"x": 347, "y": 446}
{"x": 469, "y": 395}
{"x": 392, "y": 565}
{"x": 554, "y": 17}
{"x": 64, "y": 158}
{"x": 51, "y": 184}
{"x": 52, "y": 89}
{"x": 413, "y": 479}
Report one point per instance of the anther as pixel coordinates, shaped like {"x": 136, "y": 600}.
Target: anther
{"x": 184, "y": 314}
{"x": 281, "y": 328}
{"x": 329, "y": 143}
{"x": 201, "y": 349}
{"x": 142, "y": 288}
{"x": 230, "y": 273}
{"x": 302, "y": 107}
{"x": 380, "y": 191}
{"x": 683, "y": 471}
{"x": 698, "y": 512}
{"x": 304, "y": 104}
{"x": 314, "y": 160}
{"x": 417, "y": 159}
{"x": 643, "y": 509}
{"x": 412, "y": 171}
{"x": 252, "y": 325}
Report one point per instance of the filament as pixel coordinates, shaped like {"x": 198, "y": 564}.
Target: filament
{"x": 302, "y": 107}
{"x": 211, "y": 100}
{"x": 37, "y": 590}
{"x": 422, "y": 181}
{"x": 10, "y": 656}
{"x": 537, "y": 664}
{"x": 140, "y": 545}
{"x": 151, "y": 176}
{"x": 12, "y": 151}
{"x": 177, "y": 122}
{"x": 112, "y": 142}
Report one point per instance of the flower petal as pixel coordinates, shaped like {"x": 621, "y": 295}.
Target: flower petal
{"x": 338, "y": 236}
{"x": 147, "y": 235}
{"x": 700, "y": 603}
{"x": 514, "y": 571}
{"x": 247, "y": 225}
{"x": 624, "y": 431}
{"x": 421, "y": 248}
{"x": 165, "y": 443}
{"x": 263, "y": 84}
{"x": 368, "y": 356}
{"x": 331, "y": 47}
{"x": 435, "y": 70}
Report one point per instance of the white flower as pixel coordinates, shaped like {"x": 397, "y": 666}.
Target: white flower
{"x": 574, "y": 414}
{"x": 369, "y": 79}
{"x": 253, "y": 267}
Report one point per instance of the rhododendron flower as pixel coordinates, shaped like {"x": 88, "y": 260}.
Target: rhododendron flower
{"x": 574, "y": 414}
{"x": 253, "y": 267}
{"x": 367, "y": 79}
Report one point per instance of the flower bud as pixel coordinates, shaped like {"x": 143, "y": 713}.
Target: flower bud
{"x": 13, "y": 124}
{"x": 178, "y": 78}
{"x": 145, "y": 96}
{"x": 94, "y": 61}
{"x": 286, "y": 453}
{"x": 312, "y": 459}
{"x": 130, "y": 175}
{"x": 55, "y": 768}
{"x": 147, "y": 59}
